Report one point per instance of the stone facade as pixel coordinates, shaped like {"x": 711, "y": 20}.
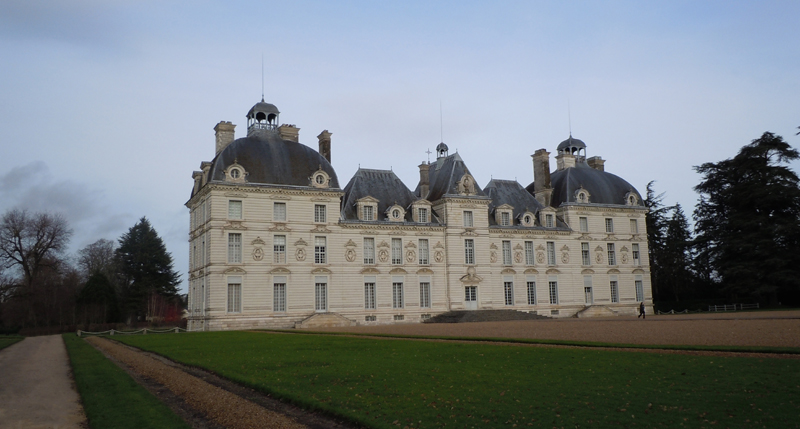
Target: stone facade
{"x": 273, "y": 253}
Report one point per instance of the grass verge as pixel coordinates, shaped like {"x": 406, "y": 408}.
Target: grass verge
{"x": 387, "y": 383}
{"x": 7, "y": 340}
{"x": 111, "y": 398}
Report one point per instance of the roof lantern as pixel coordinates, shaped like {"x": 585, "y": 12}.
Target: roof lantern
{"x": 573, "y": 146}
{"x": 263, "y": 117}
{"x": 441, "y": 150}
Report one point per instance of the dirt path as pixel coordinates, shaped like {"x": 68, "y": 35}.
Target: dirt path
{"x": 36, "y": 388}
{"x": 222, "y": 402}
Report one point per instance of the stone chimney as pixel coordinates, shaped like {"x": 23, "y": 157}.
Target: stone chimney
{"x": 596, "y": 162}
{"x": 289, "y": 132}
{"x": 542, "y": 189}
{"x": 424, "y": 179}
{"x": 325, "y": 144}
{"x": 198, "y": 181}
{"x": 224, "y": 132}
{"x": 565, "y": 160}
{"x": 206, "y": 167}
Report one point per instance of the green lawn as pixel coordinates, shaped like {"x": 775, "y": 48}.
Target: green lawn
{"x": 6, "y": 341}
{"x": 388, "y": 383}
{"x": 110, "y": 397}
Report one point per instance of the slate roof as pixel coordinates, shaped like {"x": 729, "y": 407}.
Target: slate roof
{"x": 603, "y": 187}
{"x": 268, "y": 159}
{"x": 444, "y": 175}
{"x": 512, "y": 193}
{"x": 382, "y": 185}
{"x": 571, "y": 143}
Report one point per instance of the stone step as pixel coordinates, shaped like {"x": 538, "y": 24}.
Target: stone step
{"x": 596, "y": 311}
{"x": 483, "y": 316}
{"x": 324, "y": 320}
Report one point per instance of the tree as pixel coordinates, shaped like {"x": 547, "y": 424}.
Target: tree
{"x": 676, "y": 258}
{"x": 748, "y": 221}
{"x": 656, "y": 221}
{"x": 98, "y": 299}
{"x": 145, "y": 269}
{"x": 98, "y": 256}
{"x": 31, "y": 242}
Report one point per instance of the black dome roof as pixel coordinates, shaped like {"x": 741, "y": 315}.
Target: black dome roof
{"x": 603, "y": 187}
{"x": 268, "y": 159}
{"x": 263, "y": 107}
{"x": 571, "y": 143}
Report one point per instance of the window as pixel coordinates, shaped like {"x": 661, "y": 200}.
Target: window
{"x": 319, "y": 213}
{"x": 370, "y": 318}
{"x": 508, "y": 292}
{"x": 505, "y": 219}
{"x": 321, "y": 294}
{"x": 551, "y": 253}
{"x": 585, "y": 259}
{"x": 397, "y": 251}
{"x": 531, "y": 292}
{"x": 529, "y": 253}
{"x": 584, "y": 224}
{"x": 234, "y": 248}
{"x": 468, "y": 219}
{"x": 425, "y": 294}
{"x": 469, "y": 251}
{"x": 549, "y": 220}
{"x": 423, "y": 252}
{"x": 234, "y": 294}
{"x": 398, "y": 317}
{"x": 320, "y": 253}
{"x": 609, "y": 225}
{"x": 234, "y": 209}
{"x": 635, "y": 247}
{"x": 634, "y": 226}
{"x": 279, "y": 295}
{"x": 506, "y": 252}
{"x": 612, "y": 255}
{"x": 639, "y": 289}
{"x": 423, "y": 215}
{"x": 553, "y": 284}
{"x": 397, "y": 294}
{"x": 614, "y": 291}
{"x": 582, "y": 197}
{"x": 369, "y": 294}
{"x": 368, "y": 212}
{"x": 527, "y": 220}
{"x": 369, "y": 251}
{"x": 279, "y": 212}
{"x": 279, "y": 249}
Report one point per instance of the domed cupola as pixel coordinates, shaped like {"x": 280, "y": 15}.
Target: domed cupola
{"x": 262, "y": 118}
{"x": 573, "y": 146}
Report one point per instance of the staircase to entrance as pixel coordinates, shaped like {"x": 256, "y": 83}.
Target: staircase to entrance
{"x": 483, "y": 316}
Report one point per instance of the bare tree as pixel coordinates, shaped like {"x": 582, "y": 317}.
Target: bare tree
{"x": 97, "y": 257}
{"x": 31, "y": 242}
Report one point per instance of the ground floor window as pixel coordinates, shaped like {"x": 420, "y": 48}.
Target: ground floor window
{"x": 397, "y": 295}
{"x": 508, "y": 292}
{"x": 553, "y": 284}
{"x": 639, "y": 289}
{"x": 279, "y": 297}
{"x": 369, "y": 295}
{"x": 614, "y": 291}
{"x": 424, "y": 294}
{"x": 234, "y": 294}
{"x": 321, "y": 295}
{"x": 531, "y": 293}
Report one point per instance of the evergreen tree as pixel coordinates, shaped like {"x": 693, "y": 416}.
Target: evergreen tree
{"x": 99, "y": 299}
{"x": 676, "y": 258}
{"x": 145, "y": 268}
{"x": 748, "y": 221}
{"x": 656, "y": 221}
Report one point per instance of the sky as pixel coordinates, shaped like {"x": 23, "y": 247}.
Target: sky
{"x": 106, "y": 108}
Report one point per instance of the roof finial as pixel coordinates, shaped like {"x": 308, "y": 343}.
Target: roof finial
{"x": 262, "y": 77}
{"x": 441, "y": 123}
{"x": 429, "y": 155}
{"x": 569, "y": 117}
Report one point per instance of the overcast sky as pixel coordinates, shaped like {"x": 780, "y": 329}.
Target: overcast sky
{"x": 107, "y": 107}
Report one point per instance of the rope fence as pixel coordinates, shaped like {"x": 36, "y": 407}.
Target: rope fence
{"x": 715, "y": 308}
{"x": 143, "y": 331}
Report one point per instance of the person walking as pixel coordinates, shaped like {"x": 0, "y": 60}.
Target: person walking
{"x": 641, "y": 311}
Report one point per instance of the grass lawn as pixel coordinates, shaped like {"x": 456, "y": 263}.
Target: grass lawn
{"x": 110, "y": 397}
{"x": 7, "y": 340}
{"x": 388, "y": 383}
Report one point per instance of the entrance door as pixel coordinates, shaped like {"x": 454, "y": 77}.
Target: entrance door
{"x": 321, "y": 297}
{"x": 471, "y": 297}
{"x": 587, "y": 292}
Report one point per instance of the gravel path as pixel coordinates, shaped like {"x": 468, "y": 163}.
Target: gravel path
{"x": 770, "y": 329}
{"x": 36, "y": 388}
{"x": 220, "y": 406}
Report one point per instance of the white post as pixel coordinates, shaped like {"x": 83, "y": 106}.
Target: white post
{"x": 145, "y": 331}
{"x": 112, "y": 332}
{"x": 79, "y": 333}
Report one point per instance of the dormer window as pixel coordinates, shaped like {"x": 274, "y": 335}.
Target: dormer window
{"x": 505, "y": 219}
{"x": 368, "y": 213}
{"x": 502, "y": 215}
{"x": 582, "y": 196}
{"x": 366, "y": 208}
{"x": 631, "y": 199}
{"x": 395, "y": 213}
{"x": 421, "y": 211}
{"x": 527, "y": 219}
{"x": 547, "y": 217}
{"x": 320, "y": 179}
{"x": 549, "y": 220}
{"x": 235, "y": 173}
{"x": 422, "y": 214}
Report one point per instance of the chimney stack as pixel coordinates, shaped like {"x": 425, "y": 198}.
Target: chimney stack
{"x": 542, "y": 189}
{"x": 424, "y": 180}
{"x": 225, "y": 134}
{"x": 198, "y": 180}
{"x": 325, "y": 144}
{"x": 206, "y": 167}
{"x": 565, "y": 160}
{"x": 289, "y": 132}
{"x": 596, "y": 162}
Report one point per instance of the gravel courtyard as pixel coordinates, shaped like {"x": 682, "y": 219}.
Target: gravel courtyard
{"x": 764, "y": 328}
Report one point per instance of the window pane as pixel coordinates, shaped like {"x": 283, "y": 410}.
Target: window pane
{"x": 369, "y": 296}
{"x": 531, "y": 293}
{"x": 234, "y": 298}
{"x": 468, "y": 219}
{"x": 529, "y": 253}
{"x": 609, "y": 225}
{"x": 320, "y": 251}
{"x": 369, "y": 251}
{"x": 612, "y": 256}
{"x": 551, "y": 253}
{"x": 234, "y": 248}
{"x": 508, "y": 289}
{"x": 397, "y": 251}
{"x": 549, "y": 220}
{"x": 614, "y": 291}
{"x": 584, "y": 224}
{"x": 635, "y": 247}
{"x": 585, "y": 259}
{"x": 279, "y": 249}
{"x": 368, "y": 213}
{"x": 423, "y": 215}
{"x": 469, "y": 251}
{"x": 321, "y": 296}
{"x": 639, "y": 291}
{"x": 319, "y": 213}
{"x": 553, "y": 292}
{"x": 505, "y": 219}
{"x": 397, "y": 295}
{"x": 234, "y": 209}
{"x": 279, "y": 299}
{"x": 279, "y": 212}
{"x": 423, "y": 252}
{"x": 634, "y": 226}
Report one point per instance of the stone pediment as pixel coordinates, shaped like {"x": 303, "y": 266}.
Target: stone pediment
{"x": 424, "y": 271}
{"x": 471, "y": 277}
{"x": 234, "y": 270}
{"x": 321, "y": 271}
{"x": 398, "y": 271}
{"x": 531, "y": 271}
{"x": 370, "y": 270}
{"x": 508, "y": 271}
{"x": 280, "y": 270}
{"x": 553, "y": 271}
